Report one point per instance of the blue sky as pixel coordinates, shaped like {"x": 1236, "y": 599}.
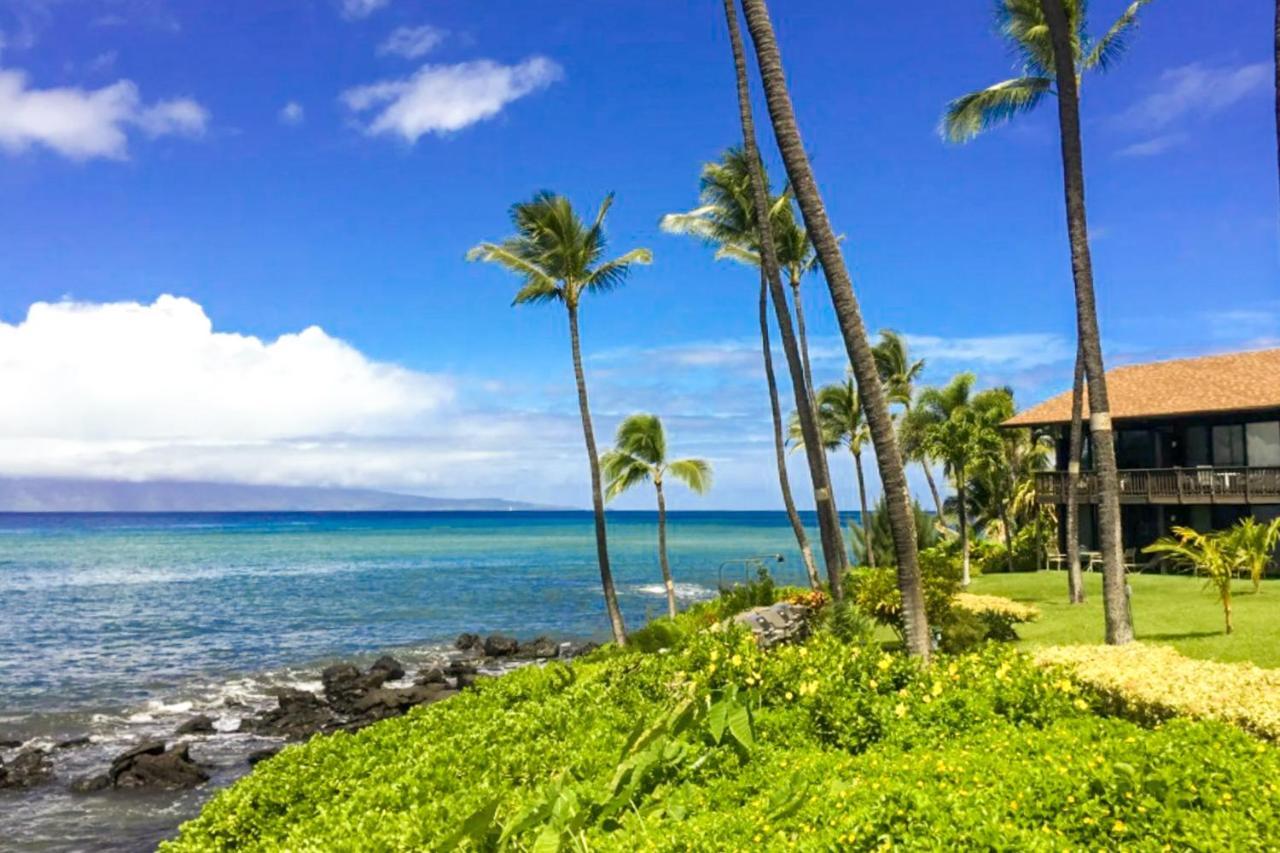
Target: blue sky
{"x": 282, "y": 165}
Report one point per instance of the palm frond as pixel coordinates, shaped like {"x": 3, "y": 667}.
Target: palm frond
{"x": 611, "y": 274}
{"x": 694, "y": 473}
{"x": 1106, "y": 50}
{"x": 538, "y": 285}
{"x": 740, "y": 254}
{"x": 971, "y": 114}
{"x": 621, "y": 471}
{"x": 642, "y": 436}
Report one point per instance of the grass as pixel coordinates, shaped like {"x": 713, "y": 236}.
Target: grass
{"x": 1174, "y": 610}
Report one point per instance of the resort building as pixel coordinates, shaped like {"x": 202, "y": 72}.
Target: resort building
{"x": 1197, "y": 444}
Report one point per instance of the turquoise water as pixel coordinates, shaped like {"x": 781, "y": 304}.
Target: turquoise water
{"x": 120, "y": 627}
{"x": 113, "y": 609}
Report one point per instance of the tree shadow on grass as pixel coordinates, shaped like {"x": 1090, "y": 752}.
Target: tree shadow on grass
{"x": 1187, "y": 635}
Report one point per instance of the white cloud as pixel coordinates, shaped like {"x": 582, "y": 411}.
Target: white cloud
{"x": 412, "y": 42}
{"x": 292, "y": 113}
{"x": 1014, "y": 351}
{"x": 1155, "y": 145}
{"x": 1194, "y": 91}
{"x": 355, "y": 9}
{"x": 443, "y": 98}
{"x": 82, "y": 124}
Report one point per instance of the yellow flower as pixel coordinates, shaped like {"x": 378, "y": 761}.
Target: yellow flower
{"x": 885, "y": 663}
{"x": 711, "y": 667}
{"x": 715, "y": 654}
{"x": 736, "y": 660}
{"x": 1118, "y": 826}
{"x": 872, "y": 684}
{"x": 900, "y": 710}
{"x": 789, "y": 696}
{"x": 937, "y": 688}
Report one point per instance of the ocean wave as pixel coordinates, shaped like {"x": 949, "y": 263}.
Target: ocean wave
{"x": 684, "y": 591}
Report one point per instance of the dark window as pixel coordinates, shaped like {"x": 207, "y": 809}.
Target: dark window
{"x": 1196, "y": 449}
{"x": 1228, "y": 445}
{"x": 1135, "y": 448}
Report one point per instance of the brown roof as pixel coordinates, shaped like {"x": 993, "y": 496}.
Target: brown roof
{"x": 1241, "y": 381}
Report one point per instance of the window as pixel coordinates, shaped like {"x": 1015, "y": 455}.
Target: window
{"x": 1228, "y": 445}
{"x": 1262, "y": 440}
{"x": 1196, "y": 451}
{"x": 1135, "y": 448}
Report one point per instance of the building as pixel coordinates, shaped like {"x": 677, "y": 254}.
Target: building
{"x": 1197, "y": 444}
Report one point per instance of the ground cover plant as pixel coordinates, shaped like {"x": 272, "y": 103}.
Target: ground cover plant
{"x": 708, "y": 742}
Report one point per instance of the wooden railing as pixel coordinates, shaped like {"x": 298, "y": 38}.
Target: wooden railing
{"x": 1170, "y": 485}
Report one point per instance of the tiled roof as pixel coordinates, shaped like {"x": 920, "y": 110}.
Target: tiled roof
{"x": 1241, "y": 381}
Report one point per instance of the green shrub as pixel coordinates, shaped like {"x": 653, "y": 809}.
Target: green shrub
{"x": 875, "y": 591}
{"x": 760, "y": 592}
{"x": 717, "y": 744}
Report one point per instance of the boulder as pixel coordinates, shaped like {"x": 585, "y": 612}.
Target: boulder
{"x": 388, "y": 665}
{"x": 500, "y": 646}
{"x": 172, "y": 769}
{"x": 573, "y": 650}
{"x": 465, "y": 679}
{"x": 259, "y": 755}
{"x": 344, "y": 684}
{"x": 466, "y": 642}
{"x": 29, "y": 768}
{"x": 8, "y": 743}
{"x": 539, "y": 648}
{"x": 299, "y": 715}
{"x": 89, "y": 784}
{"x": 431, "y": 675}
{"x": 200, "y": 724}
{"x": 72, "y": 742}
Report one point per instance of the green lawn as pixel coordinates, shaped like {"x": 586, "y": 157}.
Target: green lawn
{"x": 1176, "y": 610}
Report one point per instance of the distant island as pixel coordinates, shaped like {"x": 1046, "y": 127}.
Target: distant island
{"x": 41, "y": 494}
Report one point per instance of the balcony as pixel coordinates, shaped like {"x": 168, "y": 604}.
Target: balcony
{"x": 1170, "y": 486}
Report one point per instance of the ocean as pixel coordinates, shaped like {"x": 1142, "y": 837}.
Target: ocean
{"x": 120, "y": 627}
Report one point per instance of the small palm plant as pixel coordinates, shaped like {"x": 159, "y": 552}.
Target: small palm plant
{"x": 560, "y": 258}
{"x": 1253, "y": 547}
{"x": 1203, "y": 553}
{"x": 639, "y": 456}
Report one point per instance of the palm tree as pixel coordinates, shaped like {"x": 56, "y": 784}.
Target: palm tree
{"x": 898, "y": 373}
{"x": 1075, "y": 447}
{"x": 640, "y": 455}
{"x": 961, "y": 429}
{"x": 559, "y": 259}
{"x": 845, "y": 304}
{"x": 840, "y": 414}
{"x": 1022, "y": 23}
{"x": 1115, "y": 605}
{"x": 725, "y": 220}
{"x": 1050, "y": 38}
{"x": 823, "y": 498}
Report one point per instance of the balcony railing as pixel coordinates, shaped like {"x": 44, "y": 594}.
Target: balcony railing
{"x": 1170, "y": 486}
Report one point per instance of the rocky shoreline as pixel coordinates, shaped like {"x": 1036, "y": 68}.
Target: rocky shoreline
{"x": 350, "y": 699}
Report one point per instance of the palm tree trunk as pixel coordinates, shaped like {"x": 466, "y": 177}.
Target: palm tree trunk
{"x": 801, "y": 334}
{"x": 1075, "y": 446}
{"x": 849, "y": 316}
{"x": 962, "y": 501}
{"x": 1007, "y": 521}
{"x": 662, "y": 551}
{"x": 784, "y": 482}
{"x": 933, "y": 487}
{"x": 1119, "y": 629}
{"x": 597, "y": 501}
{"x": 824, "y": 500}
{"x": 865, "y": 516}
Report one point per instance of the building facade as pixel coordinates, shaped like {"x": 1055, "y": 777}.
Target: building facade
{"x": 1197, "y": 444}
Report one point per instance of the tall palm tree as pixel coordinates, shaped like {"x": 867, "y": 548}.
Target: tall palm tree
{"x": 1022, "y": 23}
{"x": 1075, "y": 445}
{"x": 639, "y": 456}
{"x": 559, "y": 259}
{"x": 725, "y": 220}
{"x": 1119, "y": 628}
{"x": 827, "y": 246}
{"x": 824, "y": 500}
{"x": 961, "y": 429}
{"x": 840, "y": 414}
{"x": 1051, "y": 40}
{"x": 899, "y": 373}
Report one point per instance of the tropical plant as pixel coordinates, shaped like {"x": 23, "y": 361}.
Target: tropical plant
{"x": 1252, "y": 546}
{"x": 1004, "y": 484}
{"x": 1051, "y": 40}
{"x": 840, "y": 417}
{"x": 725, "y": 220}
{"x": 824, "y": 500}
{"x": 845, "y": 305}
{"x": 640, "y": 456}
{"x": 559, "y": 258}
{"x": 1205, "y": 554}
{"x": 875, "y": 527}
{"x": 899, "y": 374}
{"x": 962, "y": 430}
